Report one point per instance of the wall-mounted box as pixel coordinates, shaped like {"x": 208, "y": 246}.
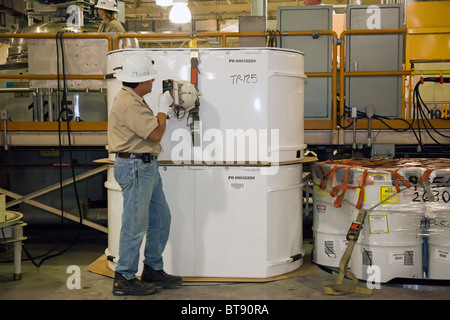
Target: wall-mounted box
{"x": 374, "y": 52}
{"x": 317, "y": 50}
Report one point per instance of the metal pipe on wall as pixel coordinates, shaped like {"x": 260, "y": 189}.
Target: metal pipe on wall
{"x": 41, "y": 105}
{"x": 259, "y": 9}
{"x": 35, "y": 105}
{"x": 50, "y": 104}
{"x": 29, "y": 10}
{"x": 58, "y": 105}
{"x": 4, "y": 118}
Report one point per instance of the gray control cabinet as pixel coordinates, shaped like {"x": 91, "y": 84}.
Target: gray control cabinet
{"x": 317, "y": 50}
{"x": 374, "y": 52}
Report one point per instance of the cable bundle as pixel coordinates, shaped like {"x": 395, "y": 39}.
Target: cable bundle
{"x": 272, "y": 39}
{"x": 421, "y": 110}
{"x": 420, "y": 115}
{"x": 64, "y": 110}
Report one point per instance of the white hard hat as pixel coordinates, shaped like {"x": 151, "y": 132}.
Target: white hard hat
{"x": 137, "y": 68}
{"x": 110, "y": 5}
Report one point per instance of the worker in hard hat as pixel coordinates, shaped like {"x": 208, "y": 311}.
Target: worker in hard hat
{"x": 107, "y": 11}
{"x": 134, "y": 133}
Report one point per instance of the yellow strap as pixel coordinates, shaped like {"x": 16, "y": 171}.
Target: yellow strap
{"x": 339, "y": 288}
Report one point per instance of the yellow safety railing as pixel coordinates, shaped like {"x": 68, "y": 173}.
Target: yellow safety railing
{"x": 115, "y": 43}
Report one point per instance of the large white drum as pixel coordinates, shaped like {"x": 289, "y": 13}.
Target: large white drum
{"x": 391, "y": 241}
{"x": 330, "y": 226}
{"x": 251, "y": 103}
{"x": 436, "y": 229}
{"x": 226, "y": 221}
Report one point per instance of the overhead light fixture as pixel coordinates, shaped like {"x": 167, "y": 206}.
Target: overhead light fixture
{"x": 180, "y": 13}
{"x": 164, "y": 3}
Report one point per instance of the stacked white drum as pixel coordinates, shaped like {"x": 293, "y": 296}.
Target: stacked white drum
{"x": 437, "y": 226}
{"x": 330, "y": 226}
{"x": 404, "y": 233}
{"x": 236, "y": 193}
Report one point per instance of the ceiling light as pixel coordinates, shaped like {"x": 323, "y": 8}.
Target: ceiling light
{"x": 180, "y": 13}
{"x": 164, "y": 3}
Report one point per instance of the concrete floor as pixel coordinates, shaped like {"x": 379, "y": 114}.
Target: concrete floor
{"x": 48, "y": 282}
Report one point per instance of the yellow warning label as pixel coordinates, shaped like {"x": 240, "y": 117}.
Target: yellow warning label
{"x": 389, "y": 195}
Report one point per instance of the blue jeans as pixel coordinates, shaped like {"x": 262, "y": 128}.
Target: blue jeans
{"x": 145, "y": 212}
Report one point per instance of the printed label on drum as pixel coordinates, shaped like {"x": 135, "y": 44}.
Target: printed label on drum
{"x": 389, "y": 195}
{"x": 442, "y": 255}
{"x": 321, "y": 208}
{"x": 367, "y": 257}
{"x": 378, "y": 224}
{"x": 377, "y": 177}
{"x": 238, "y": 182}
{"x": 404, "y": 257}
{"x": 329, "y": 248}
{"x": 237, "y": 185}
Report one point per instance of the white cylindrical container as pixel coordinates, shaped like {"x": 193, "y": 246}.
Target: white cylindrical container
{"x": 439, "y": 246}
{"x": 389, "y": 241}
{"x": 330, "y": 226}
{"x": 232, "y": 216}
{"x": 227, "y": 221}
{"x": 115, "y": 205}
{"x": 251, "y": 103}
{"x": 234, "y": 221}
{"x": 437, "y": 228}
{"x": 439, "y": 256}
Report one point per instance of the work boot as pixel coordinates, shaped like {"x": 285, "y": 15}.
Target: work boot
{"x": 134, "y": 287}
{"x": 160, "y": 278}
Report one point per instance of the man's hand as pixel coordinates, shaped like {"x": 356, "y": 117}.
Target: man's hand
{"x": 164, "y": 102}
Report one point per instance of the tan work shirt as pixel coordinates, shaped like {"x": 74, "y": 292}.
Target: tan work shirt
{"x": 111, "y": 26}
{"x": 130, "y": 123}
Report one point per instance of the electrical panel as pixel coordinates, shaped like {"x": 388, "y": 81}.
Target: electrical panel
{"x": 317, "y": 50}
{"x": 374, "y": 52}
